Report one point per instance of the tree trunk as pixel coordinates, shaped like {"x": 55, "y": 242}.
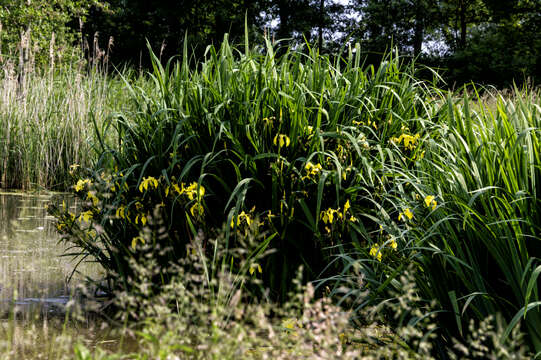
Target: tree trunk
{"x": 321, "y": 24}
{"x": 463, "y": 24}
{"x": 419, "y": 29}
{"x": 283, "y": 14}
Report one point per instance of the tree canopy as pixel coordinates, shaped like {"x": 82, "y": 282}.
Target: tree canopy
{"x": 488, "y": 41}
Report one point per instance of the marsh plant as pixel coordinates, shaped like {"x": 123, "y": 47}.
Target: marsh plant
{"x": 469, "y": 219}
{"x": 486, "y": 170}
{"x": 298, "y": 142}
{"x": 48, "y": 119}
{"x": 336, "y": 166}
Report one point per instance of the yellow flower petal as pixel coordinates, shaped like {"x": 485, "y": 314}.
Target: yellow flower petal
{"x": 81, "y": 184}
{"x": 375, "y": 252}
{"x": 148, "y": 181}
{"x": 134, "y": 241}
{"x": 85, "y": 216}
{"x": 289, "y": 323}
{"x": 408, "y": 213}
{"x": 346, "y": 206}
{"x": 197, "y": 210}
{"x": 428, "y": 200}
{"x": 120, "y": 211}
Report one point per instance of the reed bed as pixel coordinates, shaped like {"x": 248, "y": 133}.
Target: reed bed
{"x": 47, "y": 123}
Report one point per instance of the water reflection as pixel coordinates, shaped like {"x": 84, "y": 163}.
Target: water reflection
{"x": 31, "y": 268}
{"x": 34, "y": 288}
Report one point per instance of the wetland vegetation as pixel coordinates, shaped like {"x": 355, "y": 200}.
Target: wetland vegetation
{"x": 412, "y": 211}
{"x": 257, "y": 201}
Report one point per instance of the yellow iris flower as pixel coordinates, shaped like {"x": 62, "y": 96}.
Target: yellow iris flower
{"x": 409, "y": 140}
{"x": 374, "y": 251}
{"x": 142, "y": 218}
{"x": 85, "y": 216}
{"x": 240, "y": 217}
{"x": 430, "y": 202}
{"x": 120, "y": 212}
{"x": 280, "y": 140}
{"x": 347, "y": 206}
{"x": 192, "y": 191}
{"x": 148, "y": 182}
{"x": 327, "y": 216}
{"x": 134, "y": 241}
{"x": 90, "y": 196}
{"x": 254, "y": 267}
{"x": 313, "y": 169}
{"x": 407, "y": 213}
{"x": 81, "y": 184}
{"x": 197, "y": 210}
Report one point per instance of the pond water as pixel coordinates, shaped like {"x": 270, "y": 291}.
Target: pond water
{"x": 32, "y": 271}
{"x": 34, "y": 287}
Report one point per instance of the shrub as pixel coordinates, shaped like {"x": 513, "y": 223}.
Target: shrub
{"x": 39, "y": 32}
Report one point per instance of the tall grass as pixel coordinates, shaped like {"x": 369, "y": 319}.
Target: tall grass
{"x": 475, "y": 223}
{"x": 487, "y": 169}
{"x": 46, "y": 123}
